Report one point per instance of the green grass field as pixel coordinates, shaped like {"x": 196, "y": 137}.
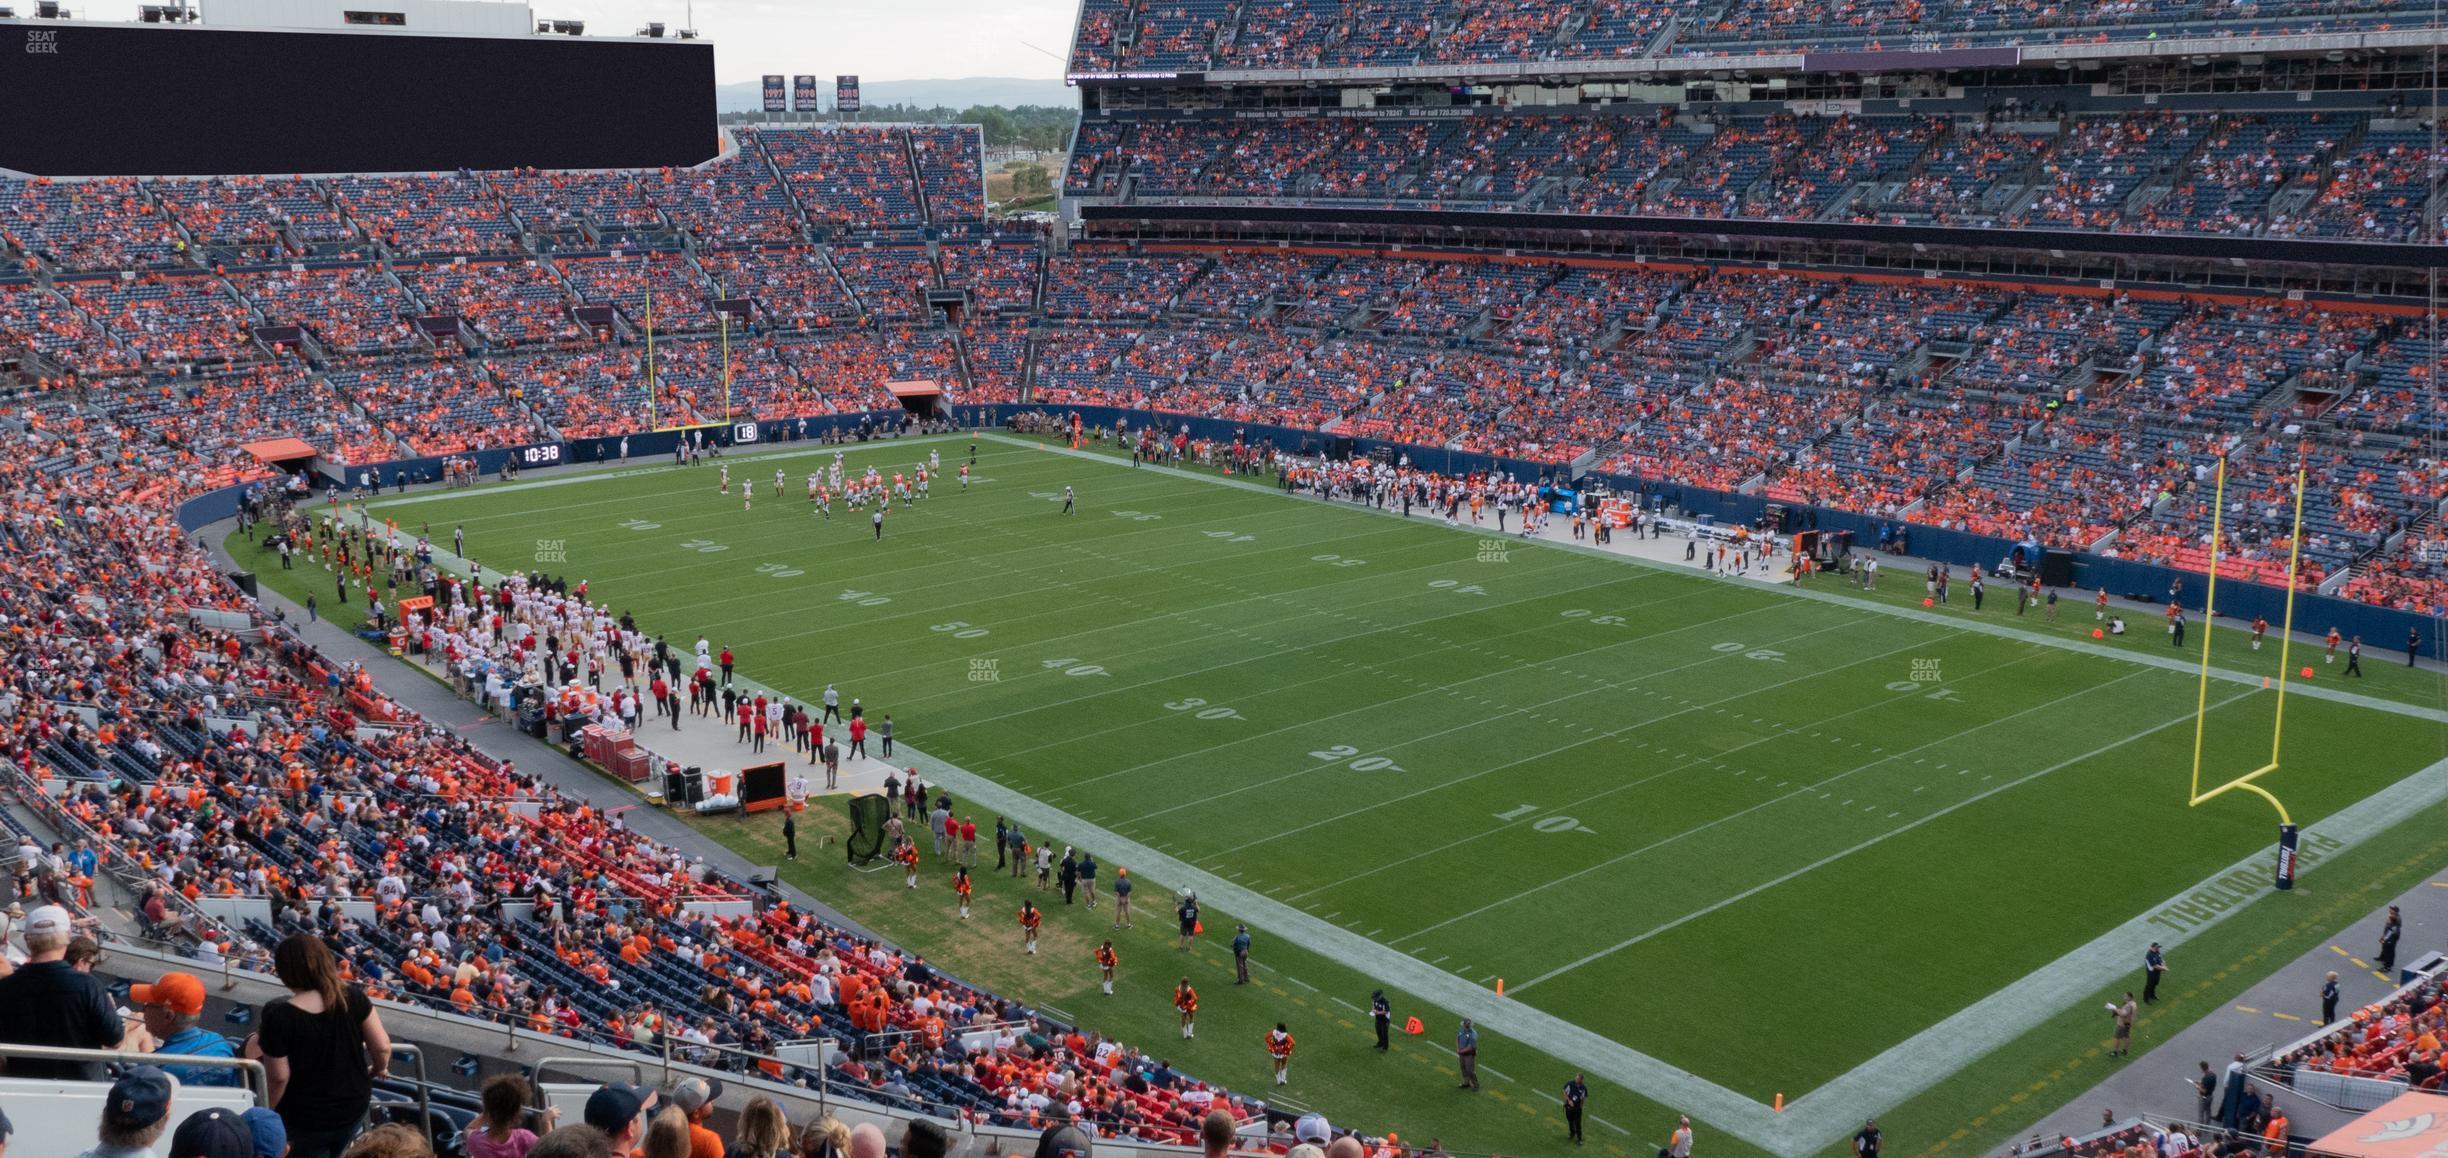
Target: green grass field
{"x": 1757, "y": 837}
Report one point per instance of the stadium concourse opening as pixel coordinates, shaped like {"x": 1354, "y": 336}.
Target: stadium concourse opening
{"x": 918, "y": 397}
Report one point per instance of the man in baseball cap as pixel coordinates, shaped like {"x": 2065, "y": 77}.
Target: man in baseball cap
{"x": 695, "y": 1097}
{"x": 135, "y": 1115}
{"x": 619, "y": 1110}
{"x": 215, "y": 1132}
{"x": 271, "y": 1134}
{"x": 46, "y": 1002}
{"x": 172, "y": 1008}
{"x": 1064, "y": 1141}
{"x": 1313, "y": 1128}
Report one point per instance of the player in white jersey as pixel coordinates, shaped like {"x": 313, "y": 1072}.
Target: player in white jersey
{"x": 747, "y": 494}
{"x": 811, "y": 486}
{"x": 781, "y": 486}
{"x": 934, "y": 461}
{"x": 726, "y": 478}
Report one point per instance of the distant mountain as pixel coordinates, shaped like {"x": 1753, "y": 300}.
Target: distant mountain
{"x": 1007, "y": 91}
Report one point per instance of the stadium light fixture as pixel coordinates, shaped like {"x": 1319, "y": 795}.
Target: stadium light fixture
{"x": 47, "y": 10}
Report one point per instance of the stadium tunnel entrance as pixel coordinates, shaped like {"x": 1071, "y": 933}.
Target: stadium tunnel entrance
{"x": 919, "y": 397}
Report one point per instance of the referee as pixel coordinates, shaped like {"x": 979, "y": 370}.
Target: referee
{"x": 1576, "y": 1095}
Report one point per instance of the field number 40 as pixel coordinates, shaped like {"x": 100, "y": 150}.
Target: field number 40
{"x": 1760, "y": 653}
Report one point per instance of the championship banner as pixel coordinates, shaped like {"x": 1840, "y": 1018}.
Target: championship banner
{"x": 773, "y": 92}
{"x": 803, "y": 93}
{"x": 845, "y": 94}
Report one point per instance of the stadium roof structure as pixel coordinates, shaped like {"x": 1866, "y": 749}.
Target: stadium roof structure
{"x": 277, "y": 450}
{"x": 2409, "y": 1125}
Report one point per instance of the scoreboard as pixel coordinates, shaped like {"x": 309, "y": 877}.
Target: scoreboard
{"x": 84, "y": 100}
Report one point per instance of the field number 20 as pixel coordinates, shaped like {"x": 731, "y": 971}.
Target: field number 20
{"x": 1345, "y": 752}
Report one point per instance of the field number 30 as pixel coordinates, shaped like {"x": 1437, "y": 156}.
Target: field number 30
{"x": 1199, "y": 708}
{"x": 1363, "y": 764}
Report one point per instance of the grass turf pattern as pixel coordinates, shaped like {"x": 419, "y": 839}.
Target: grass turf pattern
{"x": 1758, "y": 837}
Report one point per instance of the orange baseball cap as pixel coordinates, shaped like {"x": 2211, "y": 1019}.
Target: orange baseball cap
{"x": 182, "y": 992}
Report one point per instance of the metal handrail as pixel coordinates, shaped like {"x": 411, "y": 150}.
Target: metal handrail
{"x": 259, "y": 1084}
{"x": 424, "y": 1088}
{"x": 636, "y": 1068}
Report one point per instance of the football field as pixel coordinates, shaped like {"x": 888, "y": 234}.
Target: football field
{"x": 1757, "y": 838}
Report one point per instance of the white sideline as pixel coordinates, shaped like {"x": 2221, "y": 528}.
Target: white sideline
{"x": 1823, "y": 1116}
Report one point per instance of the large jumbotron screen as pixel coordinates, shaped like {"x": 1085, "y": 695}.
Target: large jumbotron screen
{"x": 112, "y": 100}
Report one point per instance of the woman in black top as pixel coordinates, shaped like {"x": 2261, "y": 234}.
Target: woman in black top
{"x": 322, "y": 1047}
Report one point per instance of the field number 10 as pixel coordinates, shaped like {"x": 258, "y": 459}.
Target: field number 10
{"x": 1548, "y": 824}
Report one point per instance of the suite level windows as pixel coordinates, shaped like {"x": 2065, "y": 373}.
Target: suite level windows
{"x": 376, "y": 19}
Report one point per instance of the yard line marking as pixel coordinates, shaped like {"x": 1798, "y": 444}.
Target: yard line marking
{"x": 1377, "y": 705}
{"x": 2188, "y": 668}
{"x": 1703, "y": 827}
{"x": 1247, "y": 659}
{"x": 1467, "y": 725}
{"x": 1826, "y": 1114}
{"x": 1558, "y": 750}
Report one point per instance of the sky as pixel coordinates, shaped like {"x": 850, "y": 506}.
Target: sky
{"x": 871, "y": 39}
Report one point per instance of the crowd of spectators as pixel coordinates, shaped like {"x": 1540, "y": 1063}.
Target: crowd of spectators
{"x": 1981, "y": 407}
{"x": 443, "y": 406}
{"x": 660, "y": 288}
{"x": 848, "y": 177}
{"x": 890, "y": 281}
{"x": 2397, "y": 1038}
{"x": 493, "y": 895}
{"x": 1206, "y": 35}
{"x": 257, "y": 219}
{"x": 109, "y": 223}
{"x": 353, "y": 309}
{"x": 2315, "y": 175}
{"x": 509, "y": 304}
{"x": 793, "y": 287}
{"x": 428, "y": 216}
{"x": 168, "y": 320}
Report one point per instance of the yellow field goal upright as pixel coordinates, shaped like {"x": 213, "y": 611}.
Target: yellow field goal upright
{"x": 2196, "y": 795}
